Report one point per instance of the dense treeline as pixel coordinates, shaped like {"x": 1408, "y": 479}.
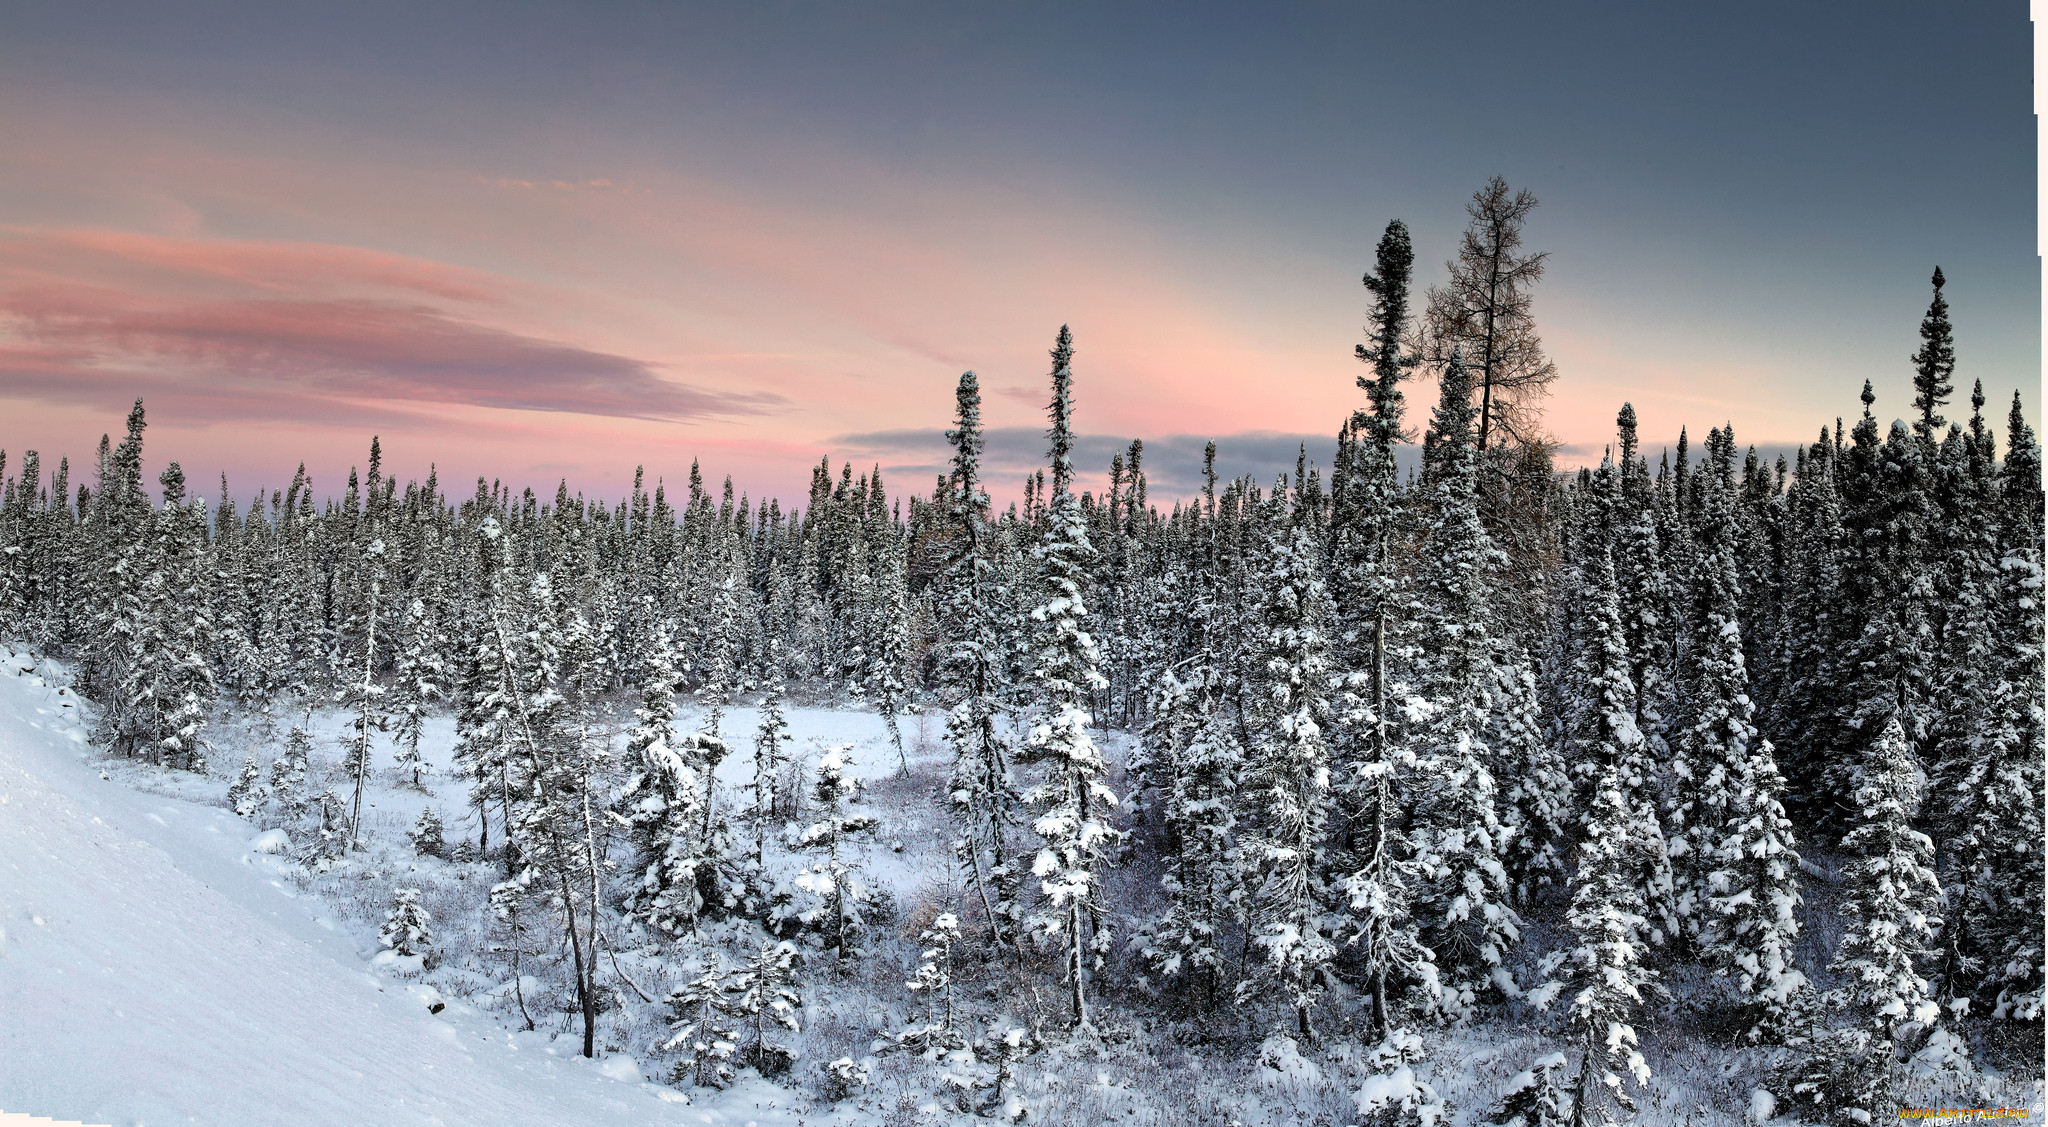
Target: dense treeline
{"x": 1379, "y": 724}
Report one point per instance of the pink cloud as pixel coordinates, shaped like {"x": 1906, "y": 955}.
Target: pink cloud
{"x": 114, "y": 310}
{"x": 188, "y": 265}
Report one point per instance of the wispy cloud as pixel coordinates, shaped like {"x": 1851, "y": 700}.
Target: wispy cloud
{"x": 286, "y": 329}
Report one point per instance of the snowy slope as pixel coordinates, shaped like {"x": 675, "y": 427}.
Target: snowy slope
{"x": 151, "y": 971}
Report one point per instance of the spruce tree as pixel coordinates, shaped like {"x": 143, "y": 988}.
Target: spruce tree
{"x": 1605, "y": 972}
{"x": 972, "y": 678}
{"x": 1718, "y": 741}
{"x": 1287, "y": 777}
{"x": 1071, "y": 803}
{"x": 1371, "y": 848}
{"x": 938, "y": 1034}
{"x": 1934, "y": 365}
{"x": 288, "y": 776}
{"x": 426, "y": 836}
{"x": 1534, "y": 1097}
{"x": 247, "y": 795}
{"x": 885, "y": 685}
{"x": 1995, "y": 903}
{"x": 1890, "y": 895}
{"x": 764, "y": 997}
{"x": 704, "y": 1027}
{"x": 838, "y": 917}
{"x": 405, "y": 929}
{"x": 1199, "y": 757}
{"x": 554, "y": 823}
{"x": 663, "y": 804}
{"x": 419, "y": 679}
{"x": 1462, "y": 901}
{"x": 1884, "y": 670}
{"x": 1609, "y": 748}
{"x": 769, "y": 739}
{"x": 361, "y": 695}
{"x": 1751, "y": 925}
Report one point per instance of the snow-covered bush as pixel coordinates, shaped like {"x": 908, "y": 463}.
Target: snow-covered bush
{"x": 1392, "y": 1095}
{"x": 836, "y": 913}
{"x": 1533, "y": 1097}
{"x": 288, "y": 776}
{"x": 1845, "y": 1079}
{"x": 935, "y": 1036}
{"x": 405, "y": 926}
{"x": 843, "y": 1078}
{"x": 426, "y": 837}
{"x": 247, "y": 795}
{"x": 703, "y": 1031}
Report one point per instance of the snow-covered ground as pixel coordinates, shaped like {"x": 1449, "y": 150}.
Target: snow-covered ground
{"x": 154, "y": 968}
{"x": 158, "y": 965}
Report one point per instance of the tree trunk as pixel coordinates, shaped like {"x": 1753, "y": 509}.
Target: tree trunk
{"x": 1077, "y": 967}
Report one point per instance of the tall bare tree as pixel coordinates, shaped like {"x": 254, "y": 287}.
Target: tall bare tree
{"x": 1485, "y": 309}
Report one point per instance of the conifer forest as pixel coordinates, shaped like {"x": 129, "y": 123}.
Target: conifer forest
{"x": 1692, "y": 786}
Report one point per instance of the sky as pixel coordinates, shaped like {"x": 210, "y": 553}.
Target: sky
{"x": 536, "y": 242}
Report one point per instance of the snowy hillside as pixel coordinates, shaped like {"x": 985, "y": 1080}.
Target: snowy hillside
{"x": 154, "y": 968}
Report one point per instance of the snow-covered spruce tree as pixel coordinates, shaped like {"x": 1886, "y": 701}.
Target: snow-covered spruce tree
{"x": 1607, "y": 745}
{"x": 1803, "y": 717}
{"x": 1985, "y": 793}
{"x": 185, "y": 625}
{"x": 118, "y": 523}
{"x": 764, "y": 994}
{"x": 246, "y": 797}
{"x": 661, "y": 802}
{"x": 1534, "y": 1097}
{"x": 1883, "y": 671}
{"x": 426, "y": 836}
{"x": 891, "y": 650}
{"x": 1934, "y": 365}
{"x": 1604, "y": 971}
{"x": 1889, "y": 895}
{"x": 419, "y": 679}
{"x": 505, "y": 901}
{"x": 361, "y": 695}
{"x": 152, "y": 665}
{"x": 938, "y": 1034}
{"x": 288, "y": 776}
{"x": 487, "y": 719}
{"x": 405, "y": 929}
{"x": 1649, "y": 598}
{"x": 704, "y": 1028}
{"x": 329, "y": 838}
{"x": 1750, "y": 922}
{"x": 971, "y": 677}
{"x": 1462, "y": 896}
{"x": 721, "y": 654}
{"x": 1287, "y": 775}
{"x": 1369, "y": 854}
{"x": 556, "y": 825}
{"x": 1966, "y": 678}
{"x": 726, "y": 885}
{"x": 1718, "y": 739}
{"x": 1738, "y": 870}
{"x": 769, "y": 757}
{"x": 1072, "y": 806}
{"x": 1536, "y": 799}
{"x": 1197, "y": 752}
{"x": 837, "y": 917}
{"x": 1999, "y": 900}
